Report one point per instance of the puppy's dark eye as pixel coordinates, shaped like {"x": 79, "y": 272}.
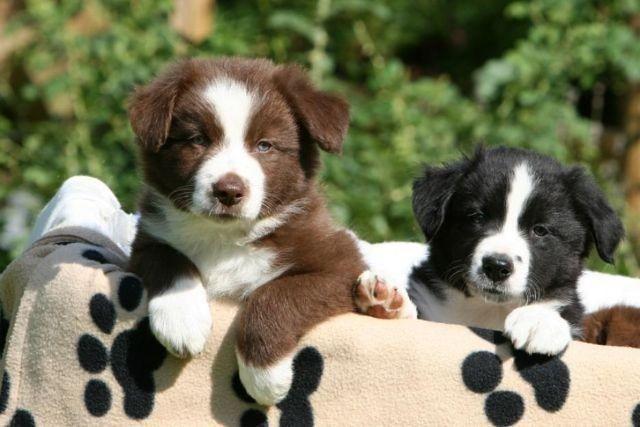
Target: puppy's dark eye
{"x": 263, "y": 146}
{"x": 476, "y": 217}
{"x": 540, "y": 230}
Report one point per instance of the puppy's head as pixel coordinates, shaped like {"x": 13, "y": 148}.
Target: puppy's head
{"x": 508, "y": 224}
{"x": 234, "y": 138}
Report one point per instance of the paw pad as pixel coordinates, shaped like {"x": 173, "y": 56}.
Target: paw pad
{"x": 504, "y": 408}
{"x": 253, "y": 418}
{"x": 92, "y": 354}
{"x": 635, "y": 416}
{"x": 134, "y": 355}
{"x": 482, "y": 371}
{"x": 374, "y": 297}
{"x": 97, "y": 397}
{"x": 130, "y": 293}
{"x": 102, "y": 312}
{"x": 94, "y": 255}
{"x": 22, "y": 418}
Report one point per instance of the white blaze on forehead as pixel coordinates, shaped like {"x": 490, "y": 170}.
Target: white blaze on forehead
{"x": 233, "y": 104}
{"x": 521, "y": 187}
{"x": 508, "y": 240}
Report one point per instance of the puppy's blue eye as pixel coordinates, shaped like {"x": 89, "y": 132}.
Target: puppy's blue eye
{"x": 540, "y": 230}
{"x": 263, "y": 146}
{"x": 198, "y": 140}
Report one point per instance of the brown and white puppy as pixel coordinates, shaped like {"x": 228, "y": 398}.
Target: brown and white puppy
{"x": 229, "y": 152}
{"x": 618, "y": 326}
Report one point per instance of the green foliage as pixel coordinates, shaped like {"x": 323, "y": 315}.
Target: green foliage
{"x": 426, "y": 80}
{"x": 571, "y": 46}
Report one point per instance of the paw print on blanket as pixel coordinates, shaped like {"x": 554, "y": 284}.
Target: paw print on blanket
{"x": 6, "y": 383}
{"x": 134, "y": 354}
{"x": 635, "y": 416}
{"x": 296, "y": 410}
{"x": 482, "y": 373}
{"x": 21, "y": 417}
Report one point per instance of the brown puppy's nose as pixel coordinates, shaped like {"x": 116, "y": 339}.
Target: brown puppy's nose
{"x": 229, "y": 189}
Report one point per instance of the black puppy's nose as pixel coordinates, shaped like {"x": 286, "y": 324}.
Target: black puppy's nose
{"x": 229, "y": 189}
{"x": 497, "y": 267}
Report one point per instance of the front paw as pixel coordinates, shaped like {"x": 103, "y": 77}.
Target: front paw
{"x": 267, "y": 385}
{"x": 374, "y": 297}
{"x": 180, "y": 317}
{"x": 537, "y": 329}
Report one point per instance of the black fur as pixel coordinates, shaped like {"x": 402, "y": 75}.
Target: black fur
{"x": 458, "y": 204}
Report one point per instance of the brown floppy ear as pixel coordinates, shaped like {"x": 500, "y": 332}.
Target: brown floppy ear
{"x": 324, "y": 116}
{"x": 151, "y": 108}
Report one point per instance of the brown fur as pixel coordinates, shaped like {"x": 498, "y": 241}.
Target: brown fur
{"x": 319, "y": 286}
{"x": 158, "y": 263}
{"x": 176, "y": 132}
{"x": 618, "y": 326}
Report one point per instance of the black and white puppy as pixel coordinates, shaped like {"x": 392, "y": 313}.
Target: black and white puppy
{"x": 507, "y": 232}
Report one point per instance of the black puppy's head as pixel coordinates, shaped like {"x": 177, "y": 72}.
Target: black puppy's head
{"x": 510, "y": 225}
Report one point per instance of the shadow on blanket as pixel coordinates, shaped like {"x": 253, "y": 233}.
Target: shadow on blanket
{"x": 78, "y": 350}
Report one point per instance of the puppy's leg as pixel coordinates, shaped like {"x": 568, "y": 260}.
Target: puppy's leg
{"x": 538, "y": 328}
{"x": 618, "y": 326}
{"x": 273, "y": 320}
{"x": 179, "y": 313}
{"x": 374, "y": 297}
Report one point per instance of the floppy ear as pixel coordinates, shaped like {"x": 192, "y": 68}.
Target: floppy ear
{"x": 151, "y": 108}
{"x": 432, "y": 192}
{"x": 323, "y": 116}
{"x": 604, "y": 226}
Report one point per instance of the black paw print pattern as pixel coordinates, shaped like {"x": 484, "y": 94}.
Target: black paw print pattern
{"x": 296, "y": 409}
{"x": 482, "y": 373}
{"x": 635, "y": 416}
{"x": 4, "y": 388}
{"x": 251, "y": 417}
{"x": 134, "y": 355}
{"x": 21, "y": 417}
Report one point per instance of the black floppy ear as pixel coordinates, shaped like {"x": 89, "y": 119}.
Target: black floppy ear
{"x": 604, "y": 226}
{"x": 151, "y": 107}
{"x": 432, "y": 192}
{"x": 324, "y": 116}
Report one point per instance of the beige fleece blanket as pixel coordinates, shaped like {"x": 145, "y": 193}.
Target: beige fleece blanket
{"x": 78, "y": 351}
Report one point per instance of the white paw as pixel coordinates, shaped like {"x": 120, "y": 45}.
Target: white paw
{"x": 537, "y": 329}
{"x": 376, "y": 298}
{"x": 267, "y": 385}
{"x": 180, "y": 317}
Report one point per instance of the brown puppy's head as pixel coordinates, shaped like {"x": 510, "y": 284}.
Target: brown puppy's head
{"x": 234, "y": 138}
{"x": 619, "y": 326}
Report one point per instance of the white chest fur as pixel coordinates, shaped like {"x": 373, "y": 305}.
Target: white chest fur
{"x": 458, "y": 309}
{"x": 229, "y": 265}
{"x": 232, "y": 270}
